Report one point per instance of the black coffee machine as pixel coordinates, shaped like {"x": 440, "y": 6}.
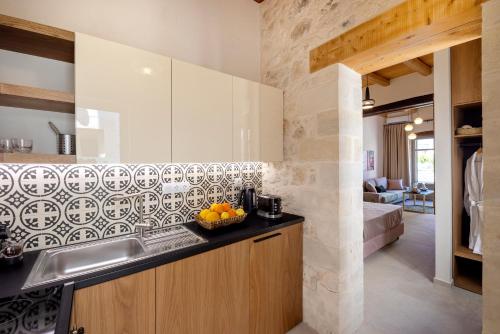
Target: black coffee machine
{"x": 248, "y": 199}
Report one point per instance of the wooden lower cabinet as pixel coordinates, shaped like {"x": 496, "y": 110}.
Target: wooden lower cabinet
{"x": 276, "y": 281}
{"x": 206, "y": 293}
{"x": 249, "y": 287}
{"x": 125, "y": 305}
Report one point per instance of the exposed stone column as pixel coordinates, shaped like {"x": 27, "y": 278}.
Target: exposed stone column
{"x": 321, "y": 179}
{"x": 491, "y": 161}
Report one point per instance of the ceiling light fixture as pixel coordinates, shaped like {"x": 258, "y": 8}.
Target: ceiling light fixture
{"x": 418, "y": 120}
{"x": 368, "y": 103}
{"x": 408, "y": 127}
{"x": 412, "y": 136}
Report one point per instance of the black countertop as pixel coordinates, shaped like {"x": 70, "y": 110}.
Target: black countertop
{"x": 12, "y": 279}
{"x": 49, "y": 307}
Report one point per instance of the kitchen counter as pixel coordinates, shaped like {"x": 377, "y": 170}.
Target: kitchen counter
{"x": 13, "y": 278}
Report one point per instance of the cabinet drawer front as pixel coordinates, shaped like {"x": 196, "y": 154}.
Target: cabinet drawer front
{"x": 206, "y": 293}
{"x": 276, "y": 281}
{"x": 125, "y": 305}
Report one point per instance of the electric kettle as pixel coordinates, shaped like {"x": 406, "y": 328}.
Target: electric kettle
{"x": 248, "y": 199}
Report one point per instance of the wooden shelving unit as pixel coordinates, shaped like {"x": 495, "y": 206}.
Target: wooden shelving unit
{"x": 473, "y": 284}
{"x": 40, "y": 40}
{"x": 479, "y": 135}
{"x": 36, "y": 98}
{"x": 36, "y": 39}
{"x": 466, "y": 253}
{"x": 467, "y": 109}
{"x": 30, "y": 158}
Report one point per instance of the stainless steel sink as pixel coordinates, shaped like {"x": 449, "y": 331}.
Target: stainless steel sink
{"x": 70, "y": 261}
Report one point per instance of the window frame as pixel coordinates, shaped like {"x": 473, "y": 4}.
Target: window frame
{"x": 414, "y": 150}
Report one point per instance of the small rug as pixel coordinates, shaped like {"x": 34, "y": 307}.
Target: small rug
{"x": 409, "y": 206}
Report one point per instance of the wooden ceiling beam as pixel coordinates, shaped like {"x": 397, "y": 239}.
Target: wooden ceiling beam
{"x": 413, "y": 102}
{"x": 374, "y": 78}
{"x": 409, "y": 30}
{"x": 419, "y": 66}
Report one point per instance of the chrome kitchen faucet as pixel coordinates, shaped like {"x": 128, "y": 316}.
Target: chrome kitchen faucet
{"x": 142, "y": 226}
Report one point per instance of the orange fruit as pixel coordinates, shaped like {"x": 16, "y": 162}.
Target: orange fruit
{"x": 212, "y": 217}
{"x": 226, "y": 206}
{"x": 213, "y": 206}
{"x": 219, "y": 208}
{"x": 204, "y": 213}
{"x": 232, "y": 213}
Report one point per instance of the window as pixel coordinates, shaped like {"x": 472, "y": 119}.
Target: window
{"x": 423, "y": 165}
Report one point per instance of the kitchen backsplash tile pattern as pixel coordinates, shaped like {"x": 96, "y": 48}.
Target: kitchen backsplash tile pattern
{"x": 51, "y": 205}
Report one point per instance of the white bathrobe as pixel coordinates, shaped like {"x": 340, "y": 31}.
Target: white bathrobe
{"x": 473, "y": 199}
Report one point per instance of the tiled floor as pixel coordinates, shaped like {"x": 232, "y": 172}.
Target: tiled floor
{"x": 400, "y": 296}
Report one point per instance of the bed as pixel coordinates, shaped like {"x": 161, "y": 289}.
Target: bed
{"x": 383, "y": 224}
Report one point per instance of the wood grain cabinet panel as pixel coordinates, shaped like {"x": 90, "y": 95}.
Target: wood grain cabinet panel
{"x": 206, "y": 293}
{"x": 202, "y": 114}
{"x": 252, "y": 286}
{"x": 466, "y": 73}
{"x": 125, "y": 305}
{"x": 276, "y": 281}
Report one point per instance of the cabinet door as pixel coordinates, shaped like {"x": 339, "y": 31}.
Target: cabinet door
{"x": 246, "y": 120}
{"x": 271, "y": 124}
{"x": 125, "y": 305}
{"x": 123, "y": 103}
{"x": 276, "y": 281}
{"x": 466, "y": 73}
{"x": 201, "y": 114}
{"x": 206, "y": 293}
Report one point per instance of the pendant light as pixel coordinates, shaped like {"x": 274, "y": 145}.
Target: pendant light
{"x": 408, "y": 127}
{"x": 412, "y": 136}
{"x": 368, "y": 103}
{"x": 418, "y": 120}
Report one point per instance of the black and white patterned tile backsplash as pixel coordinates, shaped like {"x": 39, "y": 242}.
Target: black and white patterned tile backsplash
{"x": 51, "y": 205}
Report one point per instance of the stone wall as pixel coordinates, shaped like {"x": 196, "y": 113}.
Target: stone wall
{"x": 491, "y": 160}
{"x": 322, "y": 173}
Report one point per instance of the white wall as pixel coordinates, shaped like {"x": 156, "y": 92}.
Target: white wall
{"x": 220, "y": 34}
{"x": 373, "y": 128}
{"x": 402, "y": 88}
{"x": 443, "y": 185}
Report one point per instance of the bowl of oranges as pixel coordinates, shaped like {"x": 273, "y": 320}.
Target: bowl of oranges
{"x": 218, "y": 215}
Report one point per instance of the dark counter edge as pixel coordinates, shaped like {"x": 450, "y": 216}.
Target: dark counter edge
{"x": 14, "y": 278}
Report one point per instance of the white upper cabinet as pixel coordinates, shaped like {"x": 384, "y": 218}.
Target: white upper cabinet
{"x": 246, "y": 120}
{"x": 123, "y": 103}
{"x": 271, "y": 123}
{"x": 201, "y": 114}
{"x": 134, "y": 106}
{"x": 257, "y": 122}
